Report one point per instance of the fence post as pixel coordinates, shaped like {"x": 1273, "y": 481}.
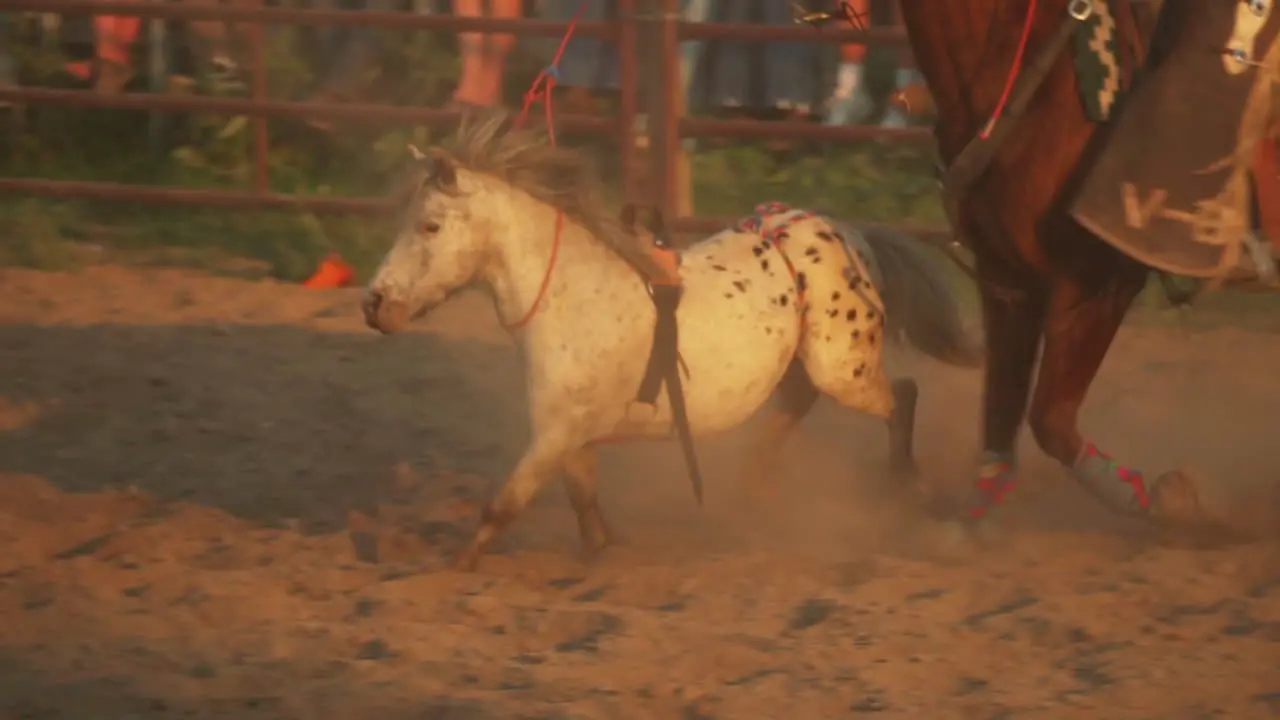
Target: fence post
{"x": 629, "y": 97}
{"x": 157, "y": 79}
{"x": 261, "y": 177}
{"x": 664, "y": 117}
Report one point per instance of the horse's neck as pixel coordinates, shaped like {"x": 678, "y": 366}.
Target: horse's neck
{"x": 526, "y": 249}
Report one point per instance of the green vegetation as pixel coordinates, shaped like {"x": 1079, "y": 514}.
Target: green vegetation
{"x": 869, "y": 182}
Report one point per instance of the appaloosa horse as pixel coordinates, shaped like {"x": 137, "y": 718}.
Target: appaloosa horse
{"x": 1048, "y": 287}
{"x": 781, "y": 302}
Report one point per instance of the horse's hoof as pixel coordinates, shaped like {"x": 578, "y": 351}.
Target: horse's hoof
{"x": 468, "y": 561}
{"x": 1176, "y": 506}
{"x": 1174, "y": 499}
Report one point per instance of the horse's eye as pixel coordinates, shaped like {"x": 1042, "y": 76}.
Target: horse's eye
{"x": 430, "y": 227}
{"x": 1259, "y": 7}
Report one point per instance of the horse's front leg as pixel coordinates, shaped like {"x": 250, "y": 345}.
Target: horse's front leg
{"x": 1080, "y": 326}
{"x": 542, "y": 462}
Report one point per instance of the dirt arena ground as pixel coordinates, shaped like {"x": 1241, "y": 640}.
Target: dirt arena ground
{"x": 222, "y": 498}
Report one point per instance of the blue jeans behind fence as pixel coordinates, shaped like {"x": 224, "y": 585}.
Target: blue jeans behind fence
{"x": 593, "y": 63}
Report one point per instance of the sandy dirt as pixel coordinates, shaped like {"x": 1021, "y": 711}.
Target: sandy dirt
{"x": 222, "y": 498}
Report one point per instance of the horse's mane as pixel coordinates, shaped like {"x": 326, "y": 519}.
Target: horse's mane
{"x": 562, "y": 177}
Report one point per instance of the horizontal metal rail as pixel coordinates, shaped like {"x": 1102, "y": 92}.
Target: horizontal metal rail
{"x": 404, "y": 115}
{"x": 413, "y": 21}
{"x": 320, "y": 205}
{"x": 260, "y": 107}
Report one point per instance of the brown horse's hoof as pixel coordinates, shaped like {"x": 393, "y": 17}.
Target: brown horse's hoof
{"x": 1174, "y": 499}
{"x": 1176, "y": 506}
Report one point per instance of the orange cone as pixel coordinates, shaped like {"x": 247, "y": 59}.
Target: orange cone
{"x": 334, "y": 272}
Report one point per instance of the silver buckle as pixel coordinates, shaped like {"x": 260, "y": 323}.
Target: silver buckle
{"x": 1080, "y": 10}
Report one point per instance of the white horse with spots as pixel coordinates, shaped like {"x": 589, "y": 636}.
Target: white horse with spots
{"x": 785, "y": 308}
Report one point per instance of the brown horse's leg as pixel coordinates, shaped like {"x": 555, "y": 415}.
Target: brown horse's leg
{"x": 792, "y": 400}
{"x": 1081, "y": 324}
{"x": 1013, "y": 329}
{"x": 580, "y": 482}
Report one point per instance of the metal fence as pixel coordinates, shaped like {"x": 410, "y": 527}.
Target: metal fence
{"x": 667, "y": 126}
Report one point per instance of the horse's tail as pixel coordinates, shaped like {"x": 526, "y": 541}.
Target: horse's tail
{"x": 920, "y": 304}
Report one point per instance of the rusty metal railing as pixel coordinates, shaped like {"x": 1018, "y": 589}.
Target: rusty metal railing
{"x": 667, "y": 125}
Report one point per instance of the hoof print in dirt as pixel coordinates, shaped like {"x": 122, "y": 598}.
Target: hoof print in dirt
{"x": 811, "y": 612}
{"x": 970, "y": 685}
{"x": 565, "y": 583}
{"x": 977, "y": 619}
{"x": 600, "y": 626}
{"x": 375, "y": 649}
{"x": 873, "y": 703}
{"x": 203, "y": 671}
{"x": 364, "y": 608}
{"x": 456, "y": 710}
{"x": 592, "y": 595}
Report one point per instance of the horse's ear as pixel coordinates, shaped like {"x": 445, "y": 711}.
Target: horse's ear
{"x": 628, "y": 216}
{"x": 657, "y": 223}
{"x": 415, "y": 153}
{"x": 444, "y": 173}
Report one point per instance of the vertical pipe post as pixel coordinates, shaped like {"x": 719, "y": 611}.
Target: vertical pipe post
{"x": 262, "y": 176}
{"x": 157, "y": 79}
{"x": 666, "y": 130}
{"x": 629, "y": 97}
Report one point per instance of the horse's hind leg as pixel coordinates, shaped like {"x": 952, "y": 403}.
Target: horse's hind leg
{"x": 902, "y": 430}
{"x": 580, "y": 483}
{"x": 542, "y": 462}
{"x": 791, "y": 401}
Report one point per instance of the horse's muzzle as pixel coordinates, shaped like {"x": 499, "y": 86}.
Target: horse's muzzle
{"x": 384, "y": 314}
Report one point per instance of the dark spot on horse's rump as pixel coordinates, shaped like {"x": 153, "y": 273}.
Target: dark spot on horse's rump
{"x": 826, "y": 338}
{"x": 871, "y": 314}
{"x": 782, "y": 299}
{"x": 741, "y": 285}
{"x": 835, "y": 296}
{"x": 858, "y": 371}
{"x": 816, "y": 260}
{"x": 824, "y": 235}
{"x": 871, "y": 338}
{"x": 811, "y": 251}
{"x": 802, "y": 282}
{"x": 854, "y": 283}
{"x": 852, "y": 314}
{"x": 768, "y": 331}
{"x": 764, "y": 264}
{"x": 719, "y": 268}
{"x": 728, "y": 296}
{"x": 857, "y": 334}
{"x": 757, "y": 250}
{"x": 833, "y": 312}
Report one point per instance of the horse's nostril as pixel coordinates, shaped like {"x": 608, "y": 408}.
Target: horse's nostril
{"x": 372, "y": 302}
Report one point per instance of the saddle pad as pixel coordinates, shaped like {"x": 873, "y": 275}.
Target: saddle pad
{"x": 1170, "y": 184}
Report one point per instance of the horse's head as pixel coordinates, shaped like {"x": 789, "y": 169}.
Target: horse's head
{"x": 437, "y": 251}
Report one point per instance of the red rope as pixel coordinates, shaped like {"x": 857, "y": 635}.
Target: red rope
{"x": 542, "y": 87}
{"x": 1014, "y": 71}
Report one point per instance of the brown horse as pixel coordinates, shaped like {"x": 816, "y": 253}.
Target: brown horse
{"x": 1048, "y": 287}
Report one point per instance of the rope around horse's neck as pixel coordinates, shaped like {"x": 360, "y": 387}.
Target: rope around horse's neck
{"x": 542, "y": 87}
